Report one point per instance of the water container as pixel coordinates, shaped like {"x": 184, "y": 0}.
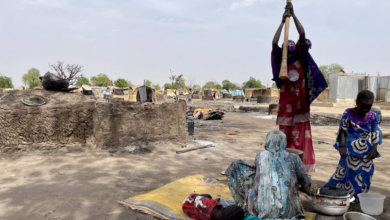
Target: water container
{"x": 371, "y": 203}
{"x": 191, "y": 127}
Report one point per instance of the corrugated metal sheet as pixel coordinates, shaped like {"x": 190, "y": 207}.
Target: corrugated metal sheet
{"x": 142, "y": 93}
{"x": 333, "y": 86}
{"x": 373, "y": 87}
{"x": 348, "y": 87}
{"x": 383, "y": 83}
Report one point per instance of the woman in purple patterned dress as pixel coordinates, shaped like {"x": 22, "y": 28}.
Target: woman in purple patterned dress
{"x": 356, "y": 166}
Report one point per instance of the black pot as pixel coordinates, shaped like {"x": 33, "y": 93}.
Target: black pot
{"x": 52, "y": 82}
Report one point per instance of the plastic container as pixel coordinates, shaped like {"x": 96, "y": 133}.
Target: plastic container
{"x": 357, "y": 216}
{"x": 191, "y": 127}
{"x": 371, "y": 203}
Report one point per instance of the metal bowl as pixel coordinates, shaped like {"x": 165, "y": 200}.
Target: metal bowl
{"x": 331, "y": 205}
{"x": 357, "y": 216}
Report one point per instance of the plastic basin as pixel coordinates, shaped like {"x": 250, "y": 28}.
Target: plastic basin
{"x": 357, "y": 216}
{"x": 371, "y": 203}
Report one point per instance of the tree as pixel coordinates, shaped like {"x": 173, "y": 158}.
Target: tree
{"x": 226, "y": 84}
{"x": 274, "y": 85}
{"x": 196, "y": 87}
{"x": 148, "y": 83}
{"x": 122, "y": 83}
{"x": 101, "y": 80}
{"x": 6, "y": 82}
{"x": 326, "y": 69}
{"x": 157, "y": 86}
{"x": 219, "y": 87}
{"x": 83, "y": 81}
{"x": 209, "y": 85}
{"x": 31, "y": 78}
{"x": 178, "y": 83}
{"x": 191, "y": 82}
{"x": 70, "y": 72}
{"x": 253, "y": 83}
{"x": 167, "y": 86}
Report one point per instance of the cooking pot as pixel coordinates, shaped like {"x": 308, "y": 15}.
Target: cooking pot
{"x": 331, "y": 205}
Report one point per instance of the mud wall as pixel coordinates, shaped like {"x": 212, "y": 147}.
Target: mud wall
{"x": 120, "y": 124}
{"x": 73, "y": 118}
{"x": 267, "y": 99}
{"x": 65, "y": 119}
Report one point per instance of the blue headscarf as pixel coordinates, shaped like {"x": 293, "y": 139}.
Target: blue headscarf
{"x": 275, "y": 174}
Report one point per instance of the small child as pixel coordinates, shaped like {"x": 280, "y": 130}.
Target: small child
{"x": 204, "y": 207}
{"x": 190, "y": 96}
{"x": 358, "y": 125}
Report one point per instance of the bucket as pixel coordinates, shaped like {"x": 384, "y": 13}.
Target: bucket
{"x": 371, "y": 203}
{"x": 191, "y": 127}
{"x": 357, "y": 216}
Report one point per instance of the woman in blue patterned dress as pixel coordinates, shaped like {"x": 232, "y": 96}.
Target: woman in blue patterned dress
{"x": 269, "y": 188}
{"x": 356, "y": 166}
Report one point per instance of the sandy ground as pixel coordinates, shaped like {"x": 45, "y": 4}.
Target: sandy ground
{"x": 85, "y": 183}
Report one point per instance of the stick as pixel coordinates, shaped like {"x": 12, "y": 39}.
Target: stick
{"x": 195, "y": 148}
{"x": 284, "y": 67}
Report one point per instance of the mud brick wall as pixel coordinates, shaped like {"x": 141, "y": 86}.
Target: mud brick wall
{"x": 65, "y": 119}
{"x": 120, "y": 124}
{"x": 267, "y": 99}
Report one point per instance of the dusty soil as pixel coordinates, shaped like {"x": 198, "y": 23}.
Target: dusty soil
{"x": 80, "y": 183}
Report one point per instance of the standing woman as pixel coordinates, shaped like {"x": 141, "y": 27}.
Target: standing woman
{"x": 356, "y": 167}
{"x": 305, "y": 82}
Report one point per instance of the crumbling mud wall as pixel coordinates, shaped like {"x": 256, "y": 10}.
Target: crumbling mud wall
{"x": 120, "y": 124}
{"x": 65, "y": 119}
{"x": 73, "y": 118}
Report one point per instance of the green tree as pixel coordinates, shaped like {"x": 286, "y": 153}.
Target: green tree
{"x": 157, "y": 86}
{"x": 6, "y": 82}
{"x": 326, "y": 69}
{"x": 122, "y": 83}
{"x": 226, "y": 84}
{"x": 178, "y": 83}
{"x": 253, "y": 83}
{"x": 148, "y": 83}
{"x": 274, "y": 85}
{"x": 209, "y": 85}
{"x": 167, "y": 86}
{"x": 101, "y": 80}
{"x": 31, "y": 78}
{"x": 83, "y": 81}
{"x": 219, "y": 87}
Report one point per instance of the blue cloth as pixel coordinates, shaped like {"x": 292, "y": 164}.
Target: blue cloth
{"x": 251, "y": 218}
{"x": 236, "y": 92}
{"x": 354, "y": 171}
{"x": 269, "y": 188}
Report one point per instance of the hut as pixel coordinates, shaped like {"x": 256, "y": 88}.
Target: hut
{"x": 120, "y": 93}
{"x": 170, "y": 93}
{"x": 142, "y": 94}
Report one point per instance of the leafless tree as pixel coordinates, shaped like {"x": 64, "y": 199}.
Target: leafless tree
{"x": 191, "y": 82}
{"x": 70, "y": 72}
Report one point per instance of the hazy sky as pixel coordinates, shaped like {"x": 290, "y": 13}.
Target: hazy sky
{"x": 201, "y": 39}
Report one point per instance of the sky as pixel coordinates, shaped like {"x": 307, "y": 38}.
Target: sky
{"x": 205, "y": 40}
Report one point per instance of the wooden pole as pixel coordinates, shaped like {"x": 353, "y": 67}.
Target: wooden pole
{"x": 284, "y": 67}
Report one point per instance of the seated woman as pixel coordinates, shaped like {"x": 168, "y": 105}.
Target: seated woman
{"x": 269, "y": 188}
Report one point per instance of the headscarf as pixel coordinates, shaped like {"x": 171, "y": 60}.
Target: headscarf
{"x": 315, "y": 82}
{"x": 275, "y": 175}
